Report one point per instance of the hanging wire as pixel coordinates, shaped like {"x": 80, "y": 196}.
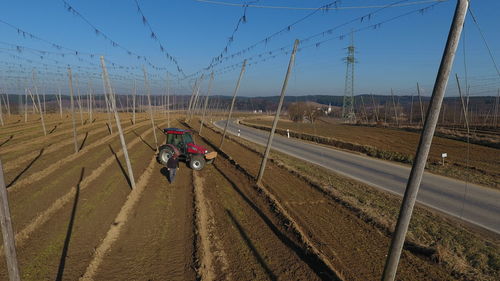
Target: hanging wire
{"x": 309, "y": 8}
{"x": 154, "y": 36}
{"x": 474, "y": 19}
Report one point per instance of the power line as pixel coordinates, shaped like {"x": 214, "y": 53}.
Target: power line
{"x": 310, "y": 8}
{"x": 154, "y": 36}
{"x": 484, "y": 40}
{"x": 264, "y": 56}
{"x": 113, "y": 43}
{"x": 289, "y": 27}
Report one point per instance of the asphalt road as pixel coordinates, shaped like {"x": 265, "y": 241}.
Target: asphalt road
{"x": 473, "y": 203}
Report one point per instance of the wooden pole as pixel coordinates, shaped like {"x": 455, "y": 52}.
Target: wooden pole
{"x": 108, "y": 106}
{"x": 8, "y": 104}
{"x": 395, "y": 110}
{"x": 9, "y": 243}
{"x": 78, "y": 99}
{"x": 168, "y": 103}
{"x": 206, "y": 101}
{"x": 25, "y": 105}
{"x": 118, "y": 125}
{"x": 421, "y": 106}
{"x": 375, "y": 108}
{"x": 278, "y": 111}
{"x": 232, "y": 102}
{"x": 60, "y": 104}
{"x": 1, "y": 113}
{"x": 411, "y": 110}
{"x": 134, "y": 95}
{"x": 39, "y": 104}
{"x": 192, "y": 96}
{"x": 148, "y": 89}
{"x": 364, "y": 109}
{"x": 425, "y": 142}
{"x": 495, "y": 119}
{"x": 72, "y": 108}
{"x": 41, "y": 115}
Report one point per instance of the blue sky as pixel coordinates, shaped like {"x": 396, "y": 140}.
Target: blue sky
{"x": 397, "y": 54}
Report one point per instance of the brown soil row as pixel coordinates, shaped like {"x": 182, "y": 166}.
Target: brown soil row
{"x": 258, "y": 243}
{"x": 63, "y": 247}
{"x": 41, "y": 217}
{"x": 59, "y": 130}
{"x": 157, "y": 242}
{"x": 120, "y": 220}
{"x": 29, "y": 156}
{"x": 355, "y": 248}
{"x": 47, "y": 166}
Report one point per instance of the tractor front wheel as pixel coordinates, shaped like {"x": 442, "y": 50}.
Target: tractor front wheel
{"x": 197, "y": 162}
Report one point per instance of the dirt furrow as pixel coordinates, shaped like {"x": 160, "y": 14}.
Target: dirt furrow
{"x": 37, "y": 159}
{"x": 120, "y": 220}
{"x": 29, "y": 153}
{"x": 209, "y": 250}
{"x": 258, "y": 244}
{"x": 35, "y": 140}
{"x": 65, "y": 244}
{"x": 51, "y": 168}
{"x": 355, "y": 248}
{"x": 39, "y": 217}
{"x": 157, "y": 243}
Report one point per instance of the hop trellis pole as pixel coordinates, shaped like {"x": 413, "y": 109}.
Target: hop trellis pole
{"x": 146, "y": 84}
{"x": 39, "y": 104}
{"x": 109, "y": 91}
{"x": 232, "y": 102}
{"x": 72, "y": 108}
{"x": 278, "y": 111}
{"x": 206, "y": 101}
{"x": 9, "y": 244}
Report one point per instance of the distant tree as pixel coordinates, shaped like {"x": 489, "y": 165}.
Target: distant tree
{"x": 304, "y": 112}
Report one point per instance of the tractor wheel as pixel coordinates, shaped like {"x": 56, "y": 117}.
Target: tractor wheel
{"x": 197, "y": 162}
{"x": 165, "y": 152}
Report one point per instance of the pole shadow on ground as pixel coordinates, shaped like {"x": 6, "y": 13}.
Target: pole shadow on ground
{"x": 316, "y": 264}
{"x": 121, "y": 166}
{"x": 143, "y": 140}
{"x": 250, "y": 245}
{"x": 84, "y": 140}
{"x": 7, "y": 140}
{"x": 27, "y": 167}
{"x": 64, "y": 254}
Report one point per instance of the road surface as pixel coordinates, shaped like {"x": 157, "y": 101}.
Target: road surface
{"x": 472, "y": 203}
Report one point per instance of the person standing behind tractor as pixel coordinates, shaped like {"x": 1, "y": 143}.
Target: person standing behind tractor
{"x": 172, "y": 166}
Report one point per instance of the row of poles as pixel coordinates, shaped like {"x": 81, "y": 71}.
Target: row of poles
{"x": 429, "y": 125}
{"x": 414, "y": 180}
{"x": 392, "y": 112}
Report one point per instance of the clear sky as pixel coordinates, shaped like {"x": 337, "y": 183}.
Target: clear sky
{"x": 396, "y": 54}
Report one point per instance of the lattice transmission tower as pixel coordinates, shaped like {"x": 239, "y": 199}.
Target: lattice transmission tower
{"x": 348, "y": 104}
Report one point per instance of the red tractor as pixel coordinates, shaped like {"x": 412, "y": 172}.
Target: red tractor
{"x": 181, "y": 142}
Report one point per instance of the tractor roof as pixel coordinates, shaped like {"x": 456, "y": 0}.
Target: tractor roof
{"x": 175, "y": 131}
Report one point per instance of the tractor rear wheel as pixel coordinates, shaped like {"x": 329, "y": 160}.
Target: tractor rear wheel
{"x": 165, "y": 152}
{"x": 197, "y": 162}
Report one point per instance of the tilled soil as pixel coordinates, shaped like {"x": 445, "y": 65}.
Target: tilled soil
{"x": 355, "y": 248}
{"x": 157, "y": 242}
{"x": 63, "y": 245}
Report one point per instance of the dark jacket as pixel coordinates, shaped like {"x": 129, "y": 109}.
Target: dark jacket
{"x": 173, "y": 163}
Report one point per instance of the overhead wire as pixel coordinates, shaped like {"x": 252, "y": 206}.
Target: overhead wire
{"x": 154, "y": 35}
{"x": 311, "y": 8}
